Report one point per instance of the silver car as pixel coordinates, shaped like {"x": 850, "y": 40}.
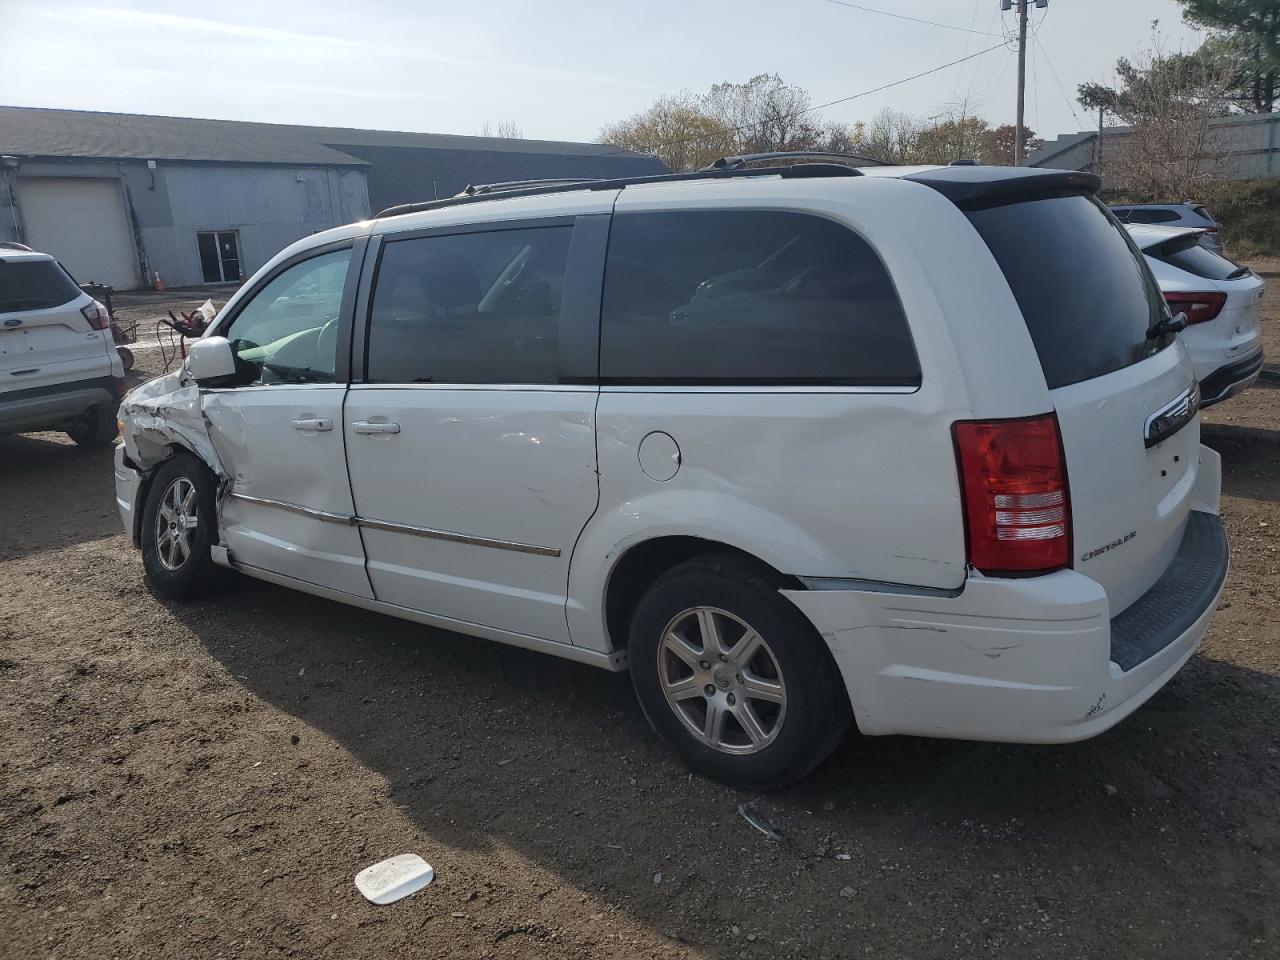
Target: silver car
{"x": 1186, "y": 214}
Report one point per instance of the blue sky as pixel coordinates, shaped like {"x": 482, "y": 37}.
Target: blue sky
{"x": 560, "y": 70}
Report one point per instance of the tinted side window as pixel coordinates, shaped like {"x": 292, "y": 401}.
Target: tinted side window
{"x": 34, "y": 285}
{"x": 469, "y": 308}
{"x": 749, "y": 297}
{"x": 1151, "y": 216}
{"x": 288, "y": 332}
{"x": 1084, "y": 289}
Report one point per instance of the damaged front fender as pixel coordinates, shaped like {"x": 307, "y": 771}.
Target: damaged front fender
{"x": 165, "y": 413}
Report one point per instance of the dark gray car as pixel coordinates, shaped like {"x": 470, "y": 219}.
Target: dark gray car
{"x": 1187, "y": 214}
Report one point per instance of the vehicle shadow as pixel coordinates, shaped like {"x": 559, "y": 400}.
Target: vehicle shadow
{"x": 55, "y": 494}
{"x": 1250, "y": 461}
{"x": 1160, "y": 832}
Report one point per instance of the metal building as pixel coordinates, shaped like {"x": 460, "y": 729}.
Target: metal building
{"x": 120, "y": 198}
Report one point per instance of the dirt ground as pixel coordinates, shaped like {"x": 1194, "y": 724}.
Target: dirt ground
{"x": 204, "y": 780}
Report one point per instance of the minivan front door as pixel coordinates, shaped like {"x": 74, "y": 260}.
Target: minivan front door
{"x": 278, "y": 431}
{"x": 472, "y": 460}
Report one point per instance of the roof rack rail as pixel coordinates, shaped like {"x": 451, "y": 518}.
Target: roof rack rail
{"x": 736, "y": 163}
{"x": 505, "y": 186}
{"x": 540, "y": 187}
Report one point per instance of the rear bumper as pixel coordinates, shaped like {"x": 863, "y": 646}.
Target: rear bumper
{"x": 1038, "y": 660}
{"x": 1231, "y": 379}
{"x": 49, "y": 408}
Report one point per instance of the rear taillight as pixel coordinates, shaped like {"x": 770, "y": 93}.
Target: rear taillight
{"x": 1013, "y": 480}
{"x": 1209, "y": 229}
{"x": 1198, "y": 307}
{"x": 97, "y": 315}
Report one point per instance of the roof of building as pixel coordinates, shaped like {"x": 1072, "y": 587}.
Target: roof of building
{"x": 1052, "y": 149}
{"x": 41, "y": 132}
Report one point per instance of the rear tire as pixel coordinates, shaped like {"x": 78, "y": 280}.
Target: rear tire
{"x": 95, "y": 430}
{"x": 733, "y": 676}
{"x": 179, "y": 525}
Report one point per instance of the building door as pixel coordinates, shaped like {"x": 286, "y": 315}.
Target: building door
{"x": 219, "y": 256}
{"x": 82, "y": 222}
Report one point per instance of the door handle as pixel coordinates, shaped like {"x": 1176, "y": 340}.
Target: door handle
{"x": 372, "y": 426}
{"x": 318, "y": 424}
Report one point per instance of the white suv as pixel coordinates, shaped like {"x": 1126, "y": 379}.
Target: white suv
{"x": 799, "y": 445}
{"x": 59, "y": 369}
{"x": 1220, "y": 300}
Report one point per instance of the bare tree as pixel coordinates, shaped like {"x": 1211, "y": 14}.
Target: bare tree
{"x": 675, "y": 130}
{"x": 687, "y": 131}
{"x": 999, "y": 144}
{"x": 1170, "y": 101}
{"x": 764, "y": 114}
{"x": 506, "y": 129}
{"x": 889, "y": 136}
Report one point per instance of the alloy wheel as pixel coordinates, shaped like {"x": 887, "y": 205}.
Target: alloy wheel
{"x": 722, "y": 680}
{"x": 176, "y": 523}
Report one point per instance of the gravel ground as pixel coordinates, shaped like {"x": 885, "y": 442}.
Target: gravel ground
{"x": 204, "y": 780}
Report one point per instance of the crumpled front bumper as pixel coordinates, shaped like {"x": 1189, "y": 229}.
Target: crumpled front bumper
{"x": 128, "y": 490}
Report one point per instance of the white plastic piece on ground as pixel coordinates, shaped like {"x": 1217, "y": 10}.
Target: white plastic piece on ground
{"x": 394, "y": 879}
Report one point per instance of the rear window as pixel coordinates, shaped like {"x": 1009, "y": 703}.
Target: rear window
{"x": 1149, "y": 215}
{"x": 1187, "y": 253}
{"x": 747, "y": 297}
{"x": 1084, "y": 290}
{"x": 34, "y": 285}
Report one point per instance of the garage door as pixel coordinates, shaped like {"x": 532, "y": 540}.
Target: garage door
{"x": 82, "y": 223}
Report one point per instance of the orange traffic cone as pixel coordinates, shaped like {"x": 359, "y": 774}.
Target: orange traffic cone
{"x": 159, "y": 284}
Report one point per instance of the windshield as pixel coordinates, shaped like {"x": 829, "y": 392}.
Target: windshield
{"x": 34, "y": 285}
{"x": 1085, "y": 292}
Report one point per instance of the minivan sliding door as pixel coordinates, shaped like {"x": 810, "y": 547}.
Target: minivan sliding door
{"x": 471, "y": 443}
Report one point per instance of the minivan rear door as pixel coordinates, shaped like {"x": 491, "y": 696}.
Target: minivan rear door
{"x": 1124, "y": 392}
{"x": 44, "y": 338}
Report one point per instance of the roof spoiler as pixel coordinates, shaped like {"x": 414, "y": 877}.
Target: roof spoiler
{"x": 981, "y": 186}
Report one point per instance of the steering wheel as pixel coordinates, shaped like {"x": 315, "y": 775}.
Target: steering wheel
{"x": 327, "y": 340}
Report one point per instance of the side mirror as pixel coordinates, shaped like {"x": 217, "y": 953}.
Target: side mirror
{"x": 211, "y": 358}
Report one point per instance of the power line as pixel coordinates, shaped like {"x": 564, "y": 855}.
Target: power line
{"x": 977, "y": 4}
{"x": 903, "y": 16}
{"x": 1049, "y": 63}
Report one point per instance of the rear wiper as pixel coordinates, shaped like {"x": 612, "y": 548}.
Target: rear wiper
{"x": 1167, "y": 326}
{"x": 1237, "y": 273}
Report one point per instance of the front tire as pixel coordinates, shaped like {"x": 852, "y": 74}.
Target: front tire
{"x": 733, "y": 676}
{"x": 179, "y": 525}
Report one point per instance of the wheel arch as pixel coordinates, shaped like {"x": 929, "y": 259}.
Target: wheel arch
{"x": 172, "y": 449}
{"x": 641, "y": 564}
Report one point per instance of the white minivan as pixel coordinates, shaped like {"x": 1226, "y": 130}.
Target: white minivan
{"x": 799, "y": 444}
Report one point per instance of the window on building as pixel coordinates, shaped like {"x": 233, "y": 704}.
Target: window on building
{"x": 219, "y": 255}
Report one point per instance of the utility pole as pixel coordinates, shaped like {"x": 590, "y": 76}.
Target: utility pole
{"x": 1020, "y": 129}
